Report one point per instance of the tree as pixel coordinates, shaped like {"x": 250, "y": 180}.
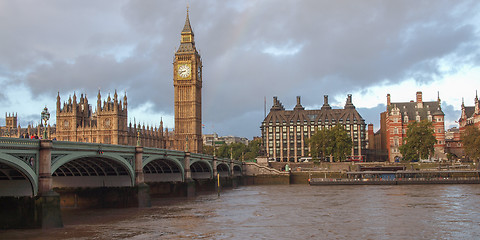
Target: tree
{"x": 223, "y": 151}
{"x": 253, "y": 149}
{"x": 239, "y": 151}
{"x": 419, "y": 142}
{"x": 319, "y": 144}
{"x": 471, "y": 142}
{"x": 342, "y": 142}
{"x": 334, "y": 142}
{"x": 208, "y": 150}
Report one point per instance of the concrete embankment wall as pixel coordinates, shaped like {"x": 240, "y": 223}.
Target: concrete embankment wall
{"x": 302, "y": 177}
{"x": 266, "y": 179}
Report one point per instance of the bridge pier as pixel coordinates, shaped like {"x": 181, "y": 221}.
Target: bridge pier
{"x": 235, "y": 182}
{"x": 190, "y": 183}
{"x": 143, "y": 190}
{"x": 47, "y": 202}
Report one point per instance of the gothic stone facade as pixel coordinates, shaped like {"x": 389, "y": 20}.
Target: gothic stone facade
{"x": 470, "y": 115}
{"x": 400, "y": 114}
{"x": 108, "y": 124}
{"x": 285, "y": 132}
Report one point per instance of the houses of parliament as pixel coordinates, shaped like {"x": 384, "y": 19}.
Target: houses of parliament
{"x": 76, "y": 121}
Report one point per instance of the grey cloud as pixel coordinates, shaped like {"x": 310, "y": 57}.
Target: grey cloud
{"x": 451, "y": 115}
{"x": 346, "y": 46}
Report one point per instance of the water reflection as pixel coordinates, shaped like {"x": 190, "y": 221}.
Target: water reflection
{"x": 286, "y": 212}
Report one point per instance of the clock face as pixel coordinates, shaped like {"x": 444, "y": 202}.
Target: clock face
{"x": 184, "y": 70}
{"x": 199, "y": 72}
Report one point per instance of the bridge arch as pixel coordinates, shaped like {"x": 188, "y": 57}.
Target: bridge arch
{"x": 163, "y": 169}
{"x": 237, "y": 170}
{"x": 201, "y": 169}
{"x": 223, "y": 169}
{"x": 105, "y": 170}
{"x": 11, "y": 169}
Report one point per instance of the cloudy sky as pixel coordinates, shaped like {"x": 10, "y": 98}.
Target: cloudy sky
{"x": 251, "y": 50}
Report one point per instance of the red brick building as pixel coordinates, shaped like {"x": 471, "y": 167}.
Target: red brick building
{"x": 399, "y": 114}
{"x": 453, "y": 143}
{"x": 470, "y": 117}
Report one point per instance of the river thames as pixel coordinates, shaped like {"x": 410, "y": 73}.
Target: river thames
{"x": 286, "y": 212}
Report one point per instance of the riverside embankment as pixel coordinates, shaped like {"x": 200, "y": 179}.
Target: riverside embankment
{"x": 348, "y": 173}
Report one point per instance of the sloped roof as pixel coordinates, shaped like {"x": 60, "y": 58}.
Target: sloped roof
{"x": 411, "y": 109}
{"x": 325, "y": 115}
{"x": 469, "y": 111}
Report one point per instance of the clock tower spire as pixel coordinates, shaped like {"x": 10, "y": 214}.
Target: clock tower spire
{"x": 187, "y": 82}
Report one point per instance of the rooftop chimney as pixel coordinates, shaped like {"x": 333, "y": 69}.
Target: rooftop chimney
{"x": 419, "y": 100}
{"x": 388, "y": 100}
{"x": 371, "y": 137}
{"x": 349, "y": 103}
{"x": 325, "y": 102}
{"x": 299, "y": 105}
{"x": 277, "y": 105}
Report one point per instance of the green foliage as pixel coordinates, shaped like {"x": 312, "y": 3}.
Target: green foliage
{"x": 451, "y": 156}
{"x": 342, "y": 143}
{"x": 471, "y": 142}
{"x": 208, "y": 150}
{"x": 334, "y": 142}
{"x": 319, "y": 144}
{"x": 239, "y": 151}
{"x": 420, "y": 141}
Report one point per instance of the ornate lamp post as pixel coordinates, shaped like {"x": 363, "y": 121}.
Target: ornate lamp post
{"x": 138, "y": 138}
{"x": 45, "y": 118}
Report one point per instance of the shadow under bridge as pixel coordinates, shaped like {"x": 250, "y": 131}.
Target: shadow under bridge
{"x": 92, "y": 171}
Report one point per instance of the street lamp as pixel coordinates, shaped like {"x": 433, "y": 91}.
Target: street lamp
{"x": 45, "y": 117}
{"x": 138, "y": 137}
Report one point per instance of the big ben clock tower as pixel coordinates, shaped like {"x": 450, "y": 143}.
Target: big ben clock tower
{"x": 187, "y": 81}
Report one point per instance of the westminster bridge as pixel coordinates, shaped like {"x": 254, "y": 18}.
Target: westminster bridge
{"x": 34, "y": 168}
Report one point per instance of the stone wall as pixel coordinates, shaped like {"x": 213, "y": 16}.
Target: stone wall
{"x": 254, "y": 169}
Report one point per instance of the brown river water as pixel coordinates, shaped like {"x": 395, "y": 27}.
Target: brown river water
{"x": 285, "y": 212}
